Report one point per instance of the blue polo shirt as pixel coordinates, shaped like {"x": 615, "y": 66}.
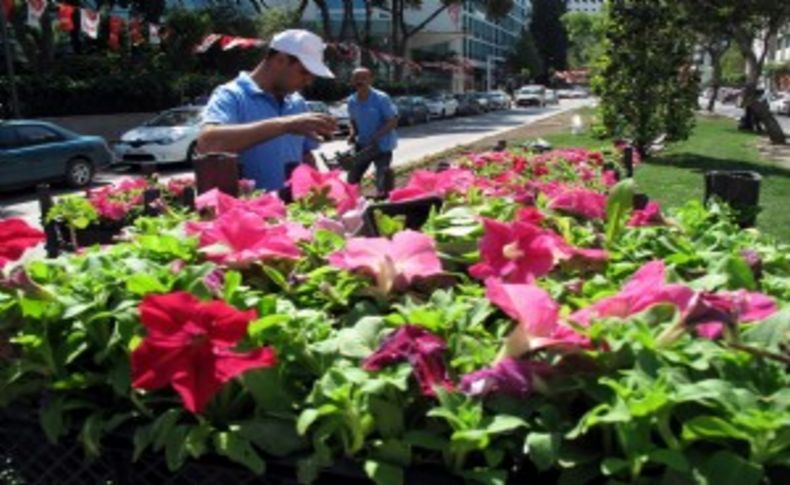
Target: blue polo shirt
{"x": 243, "y": 101}
{"x": 369, "y": 115}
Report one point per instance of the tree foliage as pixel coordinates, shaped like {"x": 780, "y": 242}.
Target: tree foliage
{"x": 525, "y": 59}
{"x": 586, "y": 32}
{"x": 549, "y": 35}
{"x": 646, "y": 83}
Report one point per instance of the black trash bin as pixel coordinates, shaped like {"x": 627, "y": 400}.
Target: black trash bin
{"x": 740, "y": 189}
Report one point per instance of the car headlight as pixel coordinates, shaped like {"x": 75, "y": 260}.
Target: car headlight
{"x": 170, "y": 139}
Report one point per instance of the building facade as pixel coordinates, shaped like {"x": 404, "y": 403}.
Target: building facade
{"x": 462, "y": 34}
{"x": 587, "y": 6}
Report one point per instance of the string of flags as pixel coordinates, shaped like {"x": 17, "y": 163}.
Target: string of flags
{"x": 138, "y": 33}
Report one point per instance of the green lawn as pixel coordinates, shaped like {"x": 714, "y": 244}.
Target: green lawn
{"x": 676, "y": 175}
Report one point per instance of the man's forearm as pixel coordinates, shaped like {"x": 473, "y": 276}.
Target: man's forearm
{"x": 236, "y": 138}
{"x": 385, "y": 128}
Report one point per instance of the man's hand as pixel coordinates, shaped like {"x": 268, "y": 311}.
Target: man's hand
{"x": 314, "y": 125}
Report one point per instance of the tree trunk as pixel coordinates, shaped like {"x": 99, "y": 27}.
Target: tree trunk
{"x": 325, "y": 20}
{"x": 348, "y": 19}
{"x": 715, "y": 83}
{"x": 366, "y": 39}
{"x": 751, "y": 102}
{"x": 395, "y": 33}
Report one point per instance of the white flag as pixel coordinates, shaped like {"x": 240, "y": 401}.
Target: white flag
{"x": 35, "y": 9}
{"x": 153, "y": 34}
{"x": 89, "y": 21}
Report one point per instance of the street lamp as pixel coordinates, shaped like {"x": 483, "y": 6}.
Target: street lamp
{"x": 9, "y": 61}
{"x": 489, "y": 58}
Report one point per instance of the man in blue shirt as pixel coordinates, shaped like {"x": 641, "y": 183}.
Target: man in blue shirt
{"x": 373, "y": 121}
{"x": 261, "y": 115}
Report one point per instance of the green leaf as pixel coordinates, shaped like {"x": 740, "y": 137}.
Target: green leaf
{"x": 618, "y": 208}
{"x": 727, "y": 468}
{"x": 239, "y": 450}
{"x": 711, "y": 427}
{"x": 487, "y": 477}
{"x": 543, "y": 449}
{"x": 394, "y": 452}
{"x": 306, "y": 419}
{"x": 196, "y": 440}
{"x": 360, "y": 340}
{"x": 388, "y": 415}
{"x": 143, "y": 284}
{"x": 613, "y": 466}
{"x": 739, "y": 274}
{"x": 90, "y": 436}
{"x": 387, "y": 225}
{"x": 673, "y": 459}
{"x": 162, "y": 426}
{"x": 277, "y": 278}
{"x": 275, "y": 436}
{"x": 51, "y": 419}
{"x": 503, "y": 423}
{"x": 176, "y": 447}
{"x": 772, "y": 333}
{"x": 383, "y": 473}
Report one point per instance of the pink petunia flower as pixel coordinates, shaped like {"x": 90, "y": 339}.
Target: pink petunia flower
{"x": 424, "y": 183}
{"x": 393, "y": 264}
{"x": 649, "y": 216}
{"x": 308, "y": 182}
{"x": 580, "y": 202}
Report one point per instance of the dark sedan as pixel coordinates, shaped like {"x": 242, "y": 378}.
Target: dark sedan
{"x": 412, "y": 110}
{"x": 36, "y": 151}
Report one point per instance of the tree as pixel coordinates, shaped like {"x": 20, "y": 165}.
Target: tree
{"x": 549, "y": 34}
{"x": 646, "y": 83}
{"x": 751, "y": 25}
{"x": 585, "y": 32}
{"x": 275, "y": 19}
{"x": 525, "y": 59}
{"x": 401, "y": 33}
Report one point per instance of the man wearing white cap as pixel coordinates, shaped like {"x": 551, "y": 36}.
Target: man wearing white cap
{"x": 261, "y": 115}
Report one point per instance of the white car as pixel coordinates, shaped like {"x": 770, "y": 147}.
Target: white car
{"x": 170, "y": 137}
{"x": 552, "y": 97}
{"x": 339, "y": 111}
{"x": 441, "y": 106}
{"x": 780, "y": 104}
{"x": 531, "y": 95}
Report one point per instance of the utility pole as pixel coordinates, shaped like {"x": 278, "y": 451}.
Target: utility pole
{"x": 9, "y": 61}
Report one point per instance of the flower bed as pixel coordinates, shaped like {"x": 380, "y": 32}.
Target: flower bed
{"x": 536, "y": 327}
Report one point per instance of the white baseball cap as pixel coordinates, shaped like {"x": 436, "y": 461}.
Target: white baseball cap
{"x": 305, "y": 46}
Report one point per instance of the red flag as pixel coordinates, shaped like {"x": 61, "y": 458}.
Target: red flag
{"x": 8, "y": 6}
{"x": 116, "y": 26}
{"x": 65, "y": 17}
{"x": 89, "y": 22}
{"x": 136, "y": 31}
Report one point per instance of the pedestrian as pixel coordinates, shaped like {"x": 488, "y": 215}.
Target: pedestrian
{"x": 373, "y": 120}
{"x": 262, "y": 116}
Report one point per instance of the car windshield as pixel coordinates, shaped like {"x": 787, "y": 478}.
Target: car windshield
{"x": 180, "y": 117}
{"x": 531, "y": 90}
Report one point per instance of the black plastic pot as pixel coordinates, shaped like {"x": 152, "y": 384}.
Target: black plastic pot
{"x": 217, "y": 170}
{"x": 738, "y": 188}
{"x": 416, "y": 213}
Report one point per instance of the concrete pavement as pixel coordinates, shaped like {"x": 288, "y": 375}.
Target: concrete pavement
{"x": 416, "y": 142}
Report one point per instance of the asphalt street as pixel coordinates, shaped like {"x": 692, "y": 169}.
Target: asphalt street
{"x": 415, "y": 142}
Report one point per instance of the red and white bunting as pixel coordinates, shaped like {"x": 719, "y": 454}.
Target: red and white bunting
{"x": 8, "y": 6}
{"x": 229, "y": 42}
{"x": 65, "y": 17}
{"x": 35, "y": 9}
{"x": 207, "y": 42}
{"x": 89, "y": 22}
{"x": 136, "y": 31}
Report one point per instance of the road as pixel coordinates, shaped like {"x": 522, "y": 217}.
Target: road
{"x": 415, "y": 143}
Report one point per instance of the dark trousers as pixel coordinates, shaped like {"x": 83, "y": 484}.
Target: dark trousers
{"x": 382, "y": 161}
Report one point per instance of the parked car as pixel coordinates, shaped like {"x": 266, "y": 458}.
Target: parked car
{"x": 468, "y": 104}
{"x": 412, "y": 110}
{"x": 483, "y": 101}
{"x": 499, "y": 99}
{"x": 442, "y": 105}
{"x": 170, "y": 137}
{"x": 339, "y": 112}
{"x": 318, "y": 107}
{"x": 36, "y": 151}
{"x": 566, "y": 93}
{"x": 531, "y": 95}
{"x": 780, "y": 104}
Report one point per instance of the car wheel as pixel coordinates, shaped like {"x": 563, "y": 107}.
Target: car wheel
{"x": 79, "y": 172}
{"x": 191, "y": 153}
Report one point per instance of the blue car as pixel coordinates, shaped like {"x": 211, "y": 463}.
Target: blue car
{"x": 36, "y": 151}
